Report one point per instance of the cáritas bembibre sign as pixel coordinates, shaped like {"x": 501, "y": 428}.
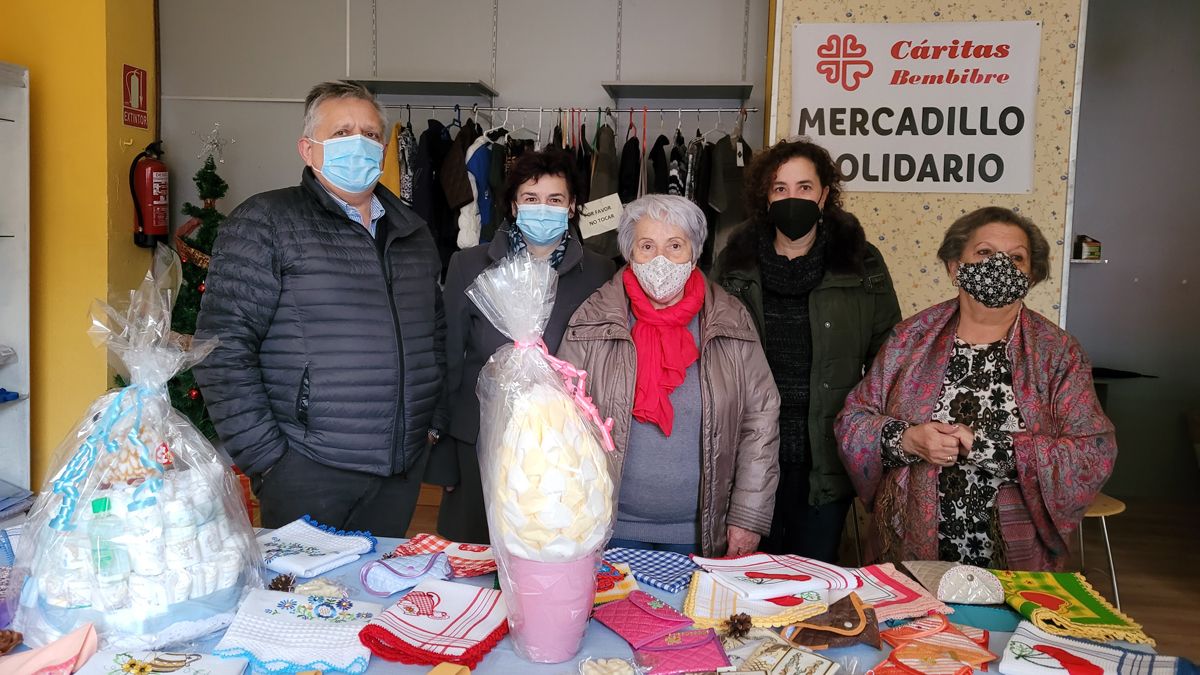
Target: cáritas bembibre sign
{"x": 920, "y": 107}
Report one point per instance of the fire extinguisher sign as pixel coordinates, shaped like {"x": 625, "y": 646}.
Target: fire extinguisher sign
{"x": 134, "y": 87}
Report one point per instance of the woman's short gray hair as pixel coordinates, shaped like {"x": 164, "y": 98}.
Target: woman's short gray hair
{"x": 339, "y": 89}
{"x": 670, "y": 209}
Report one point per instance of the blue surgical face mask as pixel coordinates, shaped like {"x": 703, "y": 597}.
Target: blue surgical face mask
{"x": 352, "y": 163}
{"x": 542, "y": 224}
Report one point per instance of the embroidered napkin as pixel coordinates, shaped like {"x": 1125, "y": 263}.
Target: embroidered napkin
{"x": 387, "y": 577}
{"x": 740, "y": 648}
{"x": 775, "y": 658}
{"x": 710, "y": 605}
{"x": 955, "y": 582}
{"x": 892, "y": 594}
{"x": 688, "y": 651}
{"x": 614, "y": 581}
{"x": 934, "y": 646}
{"x": 467, "y": 560}
{"x": 1036, "y": 652}
{"x": 848, "y": 622}
{"x": 116, "y": 662}
{"x": 61, "y": 657}
{"x": 307, "y": 548}
{"x": 1064, "y": 603}
{"x": 661, "y": 569}
{"x": 285, "y": 632}
{"x": 641, "y": 618}
{"x": 760, "y": 575}
{"x": 439, "y": 621}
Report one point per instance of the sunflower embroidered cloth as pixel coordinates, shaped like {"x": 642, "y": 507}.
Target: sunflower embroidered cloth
{"x": 466, "y": 560}
{"x": 439, "y": 622}
{"x": 307, "y": 548}
{"x": 1035, "y": 652}
{"x": 761, "y": 575}
{"x": 614, "y": 581}
{"x": 1064, "y": 603}
{"x": 710, "y": 605}
{"x": 287, "y": 633}
{"x": 892, "y": 594}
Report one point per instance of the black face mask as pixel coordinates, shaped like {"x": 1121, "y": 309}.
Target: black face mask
{"x": 794, "y": 217}
{"x": 995, "y": 282}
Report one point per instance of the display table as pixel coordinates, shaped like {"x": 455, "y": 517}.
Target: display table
{"x": 599, "y": 642}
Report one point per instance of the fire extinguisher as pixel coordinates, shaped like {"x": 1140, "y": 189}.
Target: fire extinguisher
{"x": 149, "y": 186}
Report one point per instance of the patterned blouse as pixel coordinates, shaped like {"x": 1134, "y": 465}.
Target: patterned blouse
{"x": 977, "y": 392}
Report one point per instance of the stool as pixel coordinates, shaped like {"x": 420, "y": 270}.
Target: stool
{"x": 1102, "y": 507}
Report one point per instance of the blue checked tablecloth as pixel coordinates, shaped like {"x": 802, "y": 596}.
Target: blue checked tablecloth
{"x": 662, "y": 569}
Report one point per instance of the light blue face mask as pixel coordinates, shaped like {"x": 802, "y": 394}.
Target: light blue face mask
{"x": 352, "y": 163}
{"x": 542, "y": 224}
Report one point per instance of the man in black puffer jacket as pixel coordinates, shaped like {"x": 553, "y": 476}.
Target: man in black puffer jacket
{"x": 325, "y": 299}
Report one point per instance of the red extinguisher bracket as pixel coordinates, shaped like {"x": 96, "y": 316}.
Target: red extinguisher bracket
{"x": 149, "y": 185}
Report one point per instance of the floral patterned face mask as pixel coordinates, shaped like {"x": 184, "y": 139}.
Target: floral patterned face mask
{"x": 995, "y": 282}
{"x": 662, "y": 279}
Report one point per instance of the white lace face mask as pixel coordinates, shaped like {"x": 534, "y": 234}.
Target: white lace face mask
{"x": 662, "y": 279}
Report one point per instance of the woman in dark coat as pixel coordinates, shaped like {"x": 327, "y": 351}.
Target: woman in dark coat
{"x": 823, "y": 302}
{"x": 541, "y": 190}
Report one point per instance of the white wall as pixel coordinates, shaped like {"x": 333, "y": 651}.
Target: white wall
{"x": 1135, "y": 191}
{"x": 548, "y": 54}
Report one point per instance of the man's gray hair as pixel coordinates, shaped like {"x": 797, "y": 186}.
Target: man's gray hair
{"x": 334, "y": 90}
{"x": 670, "y": 209}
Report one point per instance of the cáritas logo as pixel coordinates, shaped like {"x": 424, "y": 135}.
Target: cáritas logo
{"x": 842, "y": 60}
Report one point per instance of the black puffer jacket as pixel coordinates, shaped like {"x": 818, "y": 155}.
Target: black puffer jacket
{"x": 310, "y": 310}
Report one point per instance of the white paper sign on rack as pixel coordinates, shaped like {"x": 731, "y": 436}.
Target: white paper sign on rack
{"x": 600, "y": 215}
{"x": 920, "y": 107}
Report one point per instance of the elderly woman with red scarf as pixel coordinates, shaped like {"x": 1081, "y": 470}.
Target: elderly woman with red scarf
{"x": 676, "y": 362}
{"x": 976, "y": 436}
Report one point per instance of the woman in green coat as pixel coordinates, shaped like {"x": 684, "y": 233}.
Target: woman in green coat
{"x": 823, "y": 303}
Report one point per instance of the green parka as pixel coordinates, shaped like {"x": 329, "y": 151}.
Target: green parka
{"x": 851, "y": 314}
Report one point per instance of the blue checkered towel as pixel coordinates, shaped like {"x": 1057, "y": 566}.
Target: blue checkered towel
{"x": 672, "y": 572}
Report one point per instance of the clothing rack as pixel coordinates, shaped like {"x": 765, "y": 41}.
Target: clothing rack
{"x": 609, "y": 109}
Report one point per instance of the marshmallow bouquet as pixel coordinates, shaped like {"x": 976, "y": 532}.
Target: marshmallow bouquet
{"x": 548, "y": 480}
{"x": 141, "y": 529}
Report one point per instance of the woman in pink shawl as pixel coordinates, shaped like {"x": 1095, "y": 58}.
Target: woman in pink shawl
{"x": 976, "y": 436}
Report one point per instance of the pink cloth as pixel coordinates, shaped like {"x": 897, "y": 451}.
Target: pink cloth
{"x": 61, "y": 657}
{"x": 1063, "y": 458}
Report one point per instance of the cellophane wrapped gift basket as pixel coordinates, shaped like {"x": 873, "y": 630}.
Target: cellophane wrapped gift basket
{"x": 547, "y": 466}
{"x": 141, "y": 528}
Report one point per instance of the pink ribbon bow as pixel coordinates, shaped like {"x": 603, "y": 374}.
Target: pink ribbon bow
{"x": 574, "y": 379}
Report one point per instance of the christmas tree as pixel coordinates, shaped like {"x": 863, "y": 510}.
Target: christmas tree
{"x": 194, "y": 243}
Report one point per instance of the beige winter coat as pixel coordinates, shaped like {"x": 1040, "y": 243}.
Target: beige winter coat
{"x": 739, "y": 409}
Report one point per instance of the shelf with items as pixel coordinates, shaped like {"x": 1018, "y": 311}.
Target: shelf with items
{"x": 733, "y": 91}
{"x": 1087, "y": 261}
{"x": 448, "y": 88}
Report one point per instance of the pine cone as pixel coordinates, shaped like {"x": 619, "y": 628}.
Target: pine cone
{"x": 283, "y": 582}
{"x": 738, "y": 625}
{"x": 9, "y": 639}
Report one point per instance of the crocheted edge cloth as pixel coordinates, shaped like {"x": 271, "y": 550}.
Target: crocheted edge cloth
{"x": 356, "y": 667}
{"x": 384, "y": 644}
{"x": 329, "y": 529}
{"x": 786, "y": 617}
{"x": 1054, "y": 623}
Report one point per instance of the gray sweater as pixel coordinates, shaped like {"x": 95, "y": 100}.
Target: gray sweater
{"x": 660, "y": 481}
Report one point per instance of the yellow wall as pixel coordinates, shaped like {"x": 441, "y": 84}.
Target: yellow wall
{"x": 130, "y": 40}
{"x": 908, "y": 227}
{"x": 77, "y": 175}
